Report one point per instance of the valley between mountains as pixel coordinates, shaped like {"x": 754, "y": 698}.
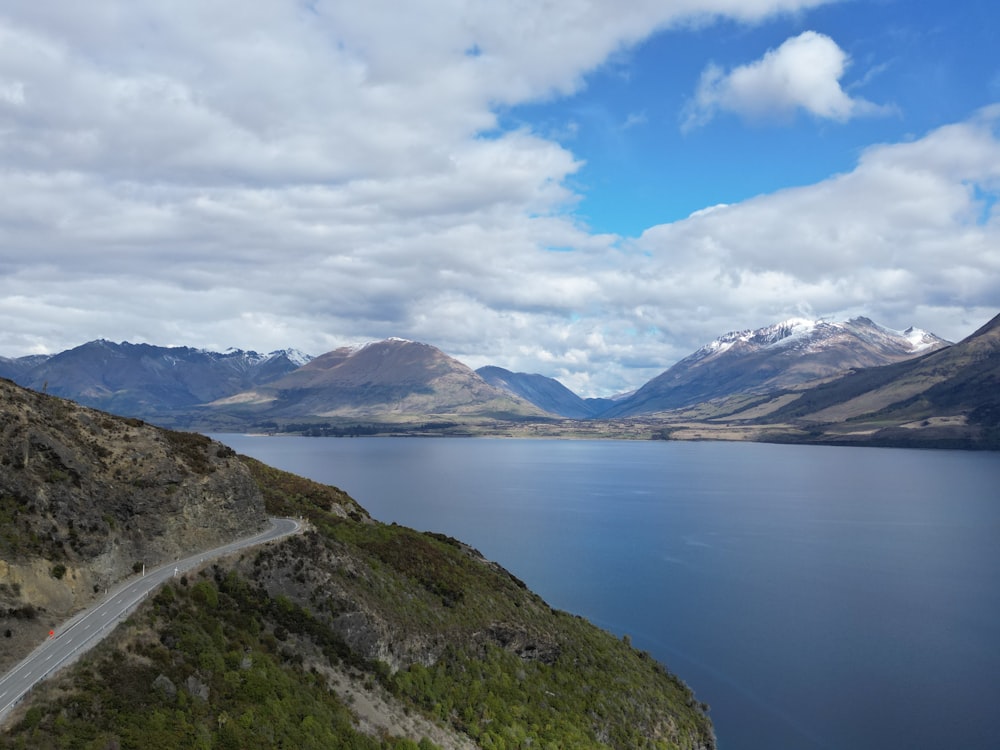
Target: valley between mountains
{"x": 852, "y": 382}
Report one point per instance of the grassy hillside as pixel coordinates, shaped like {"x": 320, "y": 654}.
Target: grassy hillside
{"x": 294, "y": 644}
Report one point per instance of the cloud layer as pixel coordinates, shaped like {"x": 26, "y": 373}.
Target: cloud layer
{"x": 265, "y": 175}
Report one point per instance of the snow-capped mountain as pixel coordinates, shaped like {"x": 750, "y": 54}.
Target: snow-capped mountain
{"x": 292, "y": 355}
{"x": 253, "y": 359}
{"x": 173, "y": 386}
{"x": 774, "y": 357}
{"x": 814, "y": 335}
{"x": 950, "y": 396}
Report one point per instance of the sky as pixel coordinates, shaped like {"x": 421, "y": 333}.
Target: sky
{"x": 585, "y": 189}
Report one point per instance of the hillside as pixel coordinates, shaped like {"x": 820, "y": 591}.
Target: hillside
{"x": 17, "y": 368}
{"x": 391, "y": 381}
{"x": 948, "y": 398}
{"x": 157, "y": 383}
{"x": 546, "y": 393}
{"x": 354, "y": 634}
{"x": 85, "y": 497}
{"x": 951, "y": 395}
{"x": 774, "y": 358}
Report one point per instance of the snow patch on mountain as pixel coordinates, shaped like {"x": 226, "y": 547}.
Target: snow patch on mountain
{"x": 786, "y": 332}
{"x": 808, "y": 335}
{"x": 248, "y": 359}
{"x": 294, "y": 356}
{"x": 354, "y": 349}
{"x": 914, "y": 340}
{"x": 920, "y": 339}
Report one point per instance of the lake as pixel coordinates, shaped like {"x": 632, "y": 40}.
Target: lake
{"x": 815, "y": 597}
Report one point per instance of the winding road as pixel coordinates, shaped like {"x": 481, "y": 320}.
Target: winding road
{"x": 86, "y": 629}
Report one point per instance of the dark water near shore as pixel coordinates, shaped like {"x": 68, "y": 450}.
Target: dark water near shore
{"x": 816, "y": 597}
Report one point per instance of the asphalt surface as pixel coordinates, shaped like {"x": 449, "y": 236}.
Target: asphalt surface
{"x": 86, "y": 629}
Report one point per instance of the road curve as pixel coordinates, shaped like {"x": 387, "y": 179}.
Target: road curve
{"x": 86, "y": 629}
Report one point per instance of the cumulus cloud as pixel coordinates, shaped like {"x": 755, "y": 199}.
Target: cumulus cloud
{"x": 804, "y": 73}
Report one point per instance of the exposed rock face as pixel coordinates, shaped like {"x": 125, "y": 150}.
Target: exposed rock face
{"x": 86, "y": 498}
{"x": 365, "y": 626}
{"x": 358, "y": 623}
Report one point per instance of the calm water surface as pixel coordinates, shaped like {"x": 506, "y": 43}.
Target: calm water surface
{"x": 838, "y": 598}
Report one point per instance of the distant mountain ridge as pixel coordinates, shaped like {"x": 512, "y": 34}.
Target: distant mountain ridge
{"x": 951, "y": 394}
{"x": 544, "y": 392}
{"x": 153, "y": 382}
{"x": 745, "y": 375}
{"x": 772, "y": 358}
{"x": 390, "y": 380}
{"x": 15, "y": 369}
{"x": 799, "y": 331}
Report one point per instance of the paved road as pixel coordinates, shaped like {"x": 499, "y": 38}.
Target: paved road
{"x": 87, "y": 628}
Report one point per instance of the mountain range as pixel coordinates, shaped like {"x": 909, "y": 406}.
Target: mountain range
{"x": 746, "y": 384}
{"x": 393, "y": 381}
{"x": 546, "y": 393}
{"x": 773, "y": 358}
{"x": 152, "y": 382}
{"x": 948, "y": 397}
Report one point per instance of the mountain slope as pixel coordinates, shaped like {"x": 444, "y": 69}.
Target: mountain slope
{"x": 354, "y": 634}
{"x": 391, "y": 380}
{"x": 85, "y": 496}
{"x": 150, "y": 382}
{"x": 951, "y": 394}
{"x": 547, "y": 394}
{"x": 17, "y": 368}
{"x": 771, "y": 359}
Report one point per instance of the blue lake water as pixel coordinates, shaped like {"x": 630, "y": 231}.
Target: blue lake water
{"x": 816, "y": 597}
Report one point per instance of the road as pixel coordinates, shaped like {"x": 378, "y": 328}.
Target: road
{"x": 87, "y": 628}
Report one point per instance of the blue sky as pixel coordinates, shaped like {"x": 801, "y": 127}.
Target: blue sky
{"x": 587, "y": 190}
{"x": 926, "y": 63}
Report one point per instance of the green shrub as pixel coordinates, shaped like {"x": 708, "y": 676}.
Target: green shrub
{"x": 205, "y": 593}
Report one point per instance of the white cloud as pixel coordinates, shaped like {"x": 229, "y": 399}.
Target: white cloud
{"x": 803, "y": 73}
{"x": 914, "y": 224}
